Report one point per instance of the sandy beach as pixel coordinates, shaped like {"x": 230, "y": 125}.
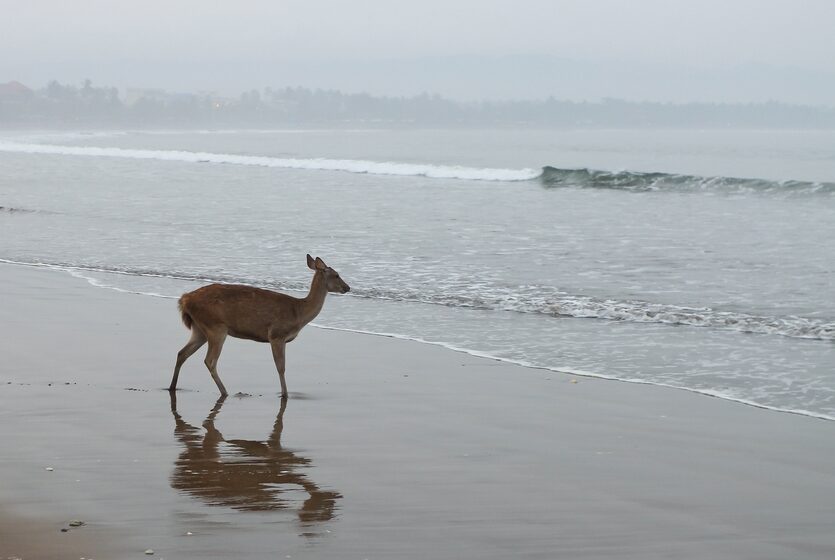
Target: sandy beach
{"x": 386, "y": 449}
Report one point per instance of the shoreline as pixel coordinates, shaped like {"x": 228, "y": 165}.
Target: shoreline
{"x": 386, "y": 448}
{"x": 76, "y": 272}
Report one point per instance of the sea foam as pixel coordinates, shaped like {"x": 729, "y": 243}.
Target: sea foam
{"x": 538, "y": 300}
{"x": 321, "y": 164}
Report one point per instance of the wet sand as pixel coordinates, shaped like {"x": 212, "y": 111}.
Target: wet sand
{"x": 385, "y": 449}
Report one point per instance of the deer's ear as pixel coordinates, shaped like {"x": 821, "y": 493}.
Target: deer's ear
{"x": 320, "y": 264}
{"x": 311, "y": 264}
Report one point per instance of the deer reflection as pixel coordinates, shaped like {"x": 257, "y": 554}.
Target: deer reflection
{"x": 245, "y": 474}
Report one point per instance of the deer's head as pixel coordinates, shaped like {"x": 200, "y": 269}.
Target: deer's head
{"x": 332, "y": 280}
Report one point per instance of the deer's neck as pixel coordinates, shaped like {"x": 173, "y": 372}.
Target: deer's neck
{"x": 315, "y": 297}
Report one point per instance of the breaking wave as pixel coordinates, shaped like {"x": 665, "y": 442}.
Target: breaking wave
{"x": 524, "y": 299}
{"x": 322, "y": 164}
{"x": 653, "y": 181}
{"x": 549, "y": 301}
{"x": 548, "y": 176}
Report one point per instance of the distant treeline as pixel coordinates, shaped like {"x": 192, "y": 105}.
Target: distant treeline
{"x": 86, "y": 105}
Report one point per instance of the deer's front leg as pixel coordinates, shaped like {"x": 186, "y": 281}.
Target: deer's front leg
{"x": 278, "y": 346}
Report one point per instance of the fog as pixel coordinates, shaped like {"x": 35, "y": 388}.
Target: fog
{"x": 653, "y": 50}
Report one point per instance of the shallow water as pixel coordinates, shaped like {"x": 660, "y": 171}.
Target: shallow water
{"x": 693, "y": 276}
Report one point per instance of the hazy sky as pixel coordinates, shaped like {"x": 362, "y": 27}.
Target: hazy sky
{"x": 662, "y": 49}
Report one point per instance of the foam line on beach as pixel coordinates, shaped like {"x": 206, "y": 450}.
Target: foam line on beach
{"x": 79, "y": 273}
{"x": 555, "y": 304}
{"x": 582, "y": 373}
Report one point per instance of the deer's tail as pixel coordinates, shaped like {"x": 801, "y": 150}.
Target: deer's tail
{"x": 183, "y": 313}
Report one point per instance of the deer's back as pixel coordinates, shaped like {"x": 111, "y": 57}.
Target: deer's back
{"x": 244, "y": 311}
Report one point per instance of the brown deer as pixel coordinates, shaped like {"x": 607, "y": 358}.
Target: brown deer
{"x": 217, "y": 310}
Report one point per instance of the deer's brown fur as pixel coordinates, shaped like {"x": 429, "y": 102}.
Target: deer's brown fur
{"x": 217, "y": 310}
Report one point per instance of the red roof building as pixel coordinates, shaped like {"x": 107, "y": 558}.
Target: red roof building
{"x": 15, "y": 91}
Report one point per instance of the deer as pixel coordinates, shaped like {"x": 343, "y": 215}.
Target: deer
{"x": 212, "y": 312}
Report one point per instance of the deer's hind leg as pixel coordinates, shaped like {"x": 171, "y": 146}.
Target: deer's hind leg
{"x": 216, "y": 339}
{"x": 197, "y": 340}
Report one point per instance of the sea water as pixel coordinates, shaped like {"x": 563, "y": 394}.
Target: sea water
{"x": 695, "y": 259}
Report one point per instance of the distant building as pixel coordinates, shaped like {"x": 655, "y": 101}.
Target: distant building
{"x": 165, "y": 98}
{"x": 15, "y": 93}
{"x": 133, "y": 95}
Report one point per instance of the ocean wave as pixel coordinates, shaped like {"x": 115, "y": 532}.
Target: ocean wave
{"x": 636, "y": 181}
{"x": 548, "y": 176}
{"x": 644, "y": 312}
{"x": 549, "y": 301}
{"x": 320, "y": 164}
{"x": 523, "y": 299}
